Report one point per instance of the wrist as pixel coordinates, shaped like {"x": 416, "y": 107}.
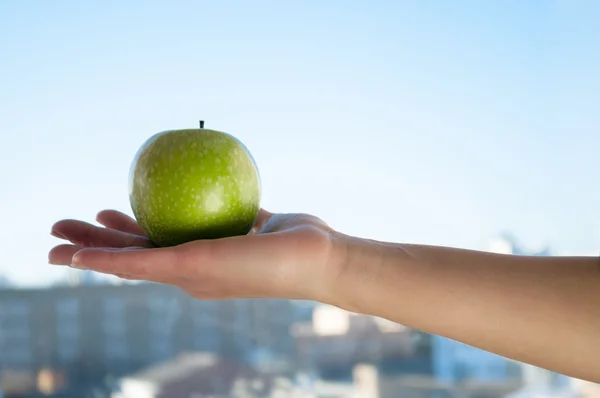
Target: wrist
{"x": 356, "y": 265}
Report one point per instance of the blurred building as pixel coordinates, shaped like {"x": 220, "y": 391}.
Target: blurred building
{"x": 455, "y": 362}
{"x": 586, "y": 389}
{"x": 383, "y": 359}
{"x": 542, "y": 383}
{"x": 4, "y": 282}
{"x": 90, "y": 331}
{"x": 189, "y": 375}
{"x": 336, "y": 340}
{"x": 208, "y": 375}
{"x": 369, "y": 382}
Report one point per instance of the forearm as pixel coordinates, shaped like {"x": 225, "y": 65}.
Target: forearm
{"x": 539, "y": 310}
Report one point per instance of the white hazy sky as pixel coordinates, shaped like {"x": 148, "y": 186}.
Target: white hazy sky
{"x": 422, "y": 121}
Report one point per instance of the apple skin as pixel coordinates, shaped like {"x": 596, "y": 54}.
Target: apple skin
{"x": 192, "y": 184}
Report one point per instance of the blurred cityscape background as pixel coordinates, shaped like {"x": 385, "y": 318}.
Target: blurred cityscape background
{"x": 419, "y": 121}
{"x": 89, "y": 336}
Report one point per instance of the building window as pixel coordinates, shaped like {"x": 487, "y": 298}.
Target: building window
{"x": 164, "y": 313}
{"x": 113, "y": 306}
{"x": 205, "y": 316}
{"x": 114, "y": 319}
{"x": 114, "y": 325}
{"x": 207, "y": 340}
{"x": 67, "y": 352}
{"x": 205, "y": 313}
{"x": 14, "y": 309}
{"x": 161, "y": 349}
{"x": 18, "y": 354}
{"x": 67, "y": 308}
{"x": 15, "y": 333}
{"x": 116, "y": 349}
{"x": 67, "y": 328}
{"x": 243, "y": 324}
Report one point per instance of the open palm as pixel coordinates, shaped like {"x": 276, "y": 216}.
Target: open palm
{"x": 285, "y": 255}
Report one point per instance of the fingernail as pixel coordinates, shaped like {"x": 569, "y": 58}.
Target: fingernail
{"x": 57, "y": 235}
{"x": 76, "y": 262}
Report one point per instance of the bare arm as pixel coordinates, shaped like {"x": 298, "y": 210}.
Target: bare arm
{"x": 539, "y": 310}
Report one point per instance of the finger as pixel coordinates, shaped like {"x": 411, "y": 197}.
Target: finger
{"x": 190, "y": 260}
{"x": 128, "y": 277}
{"x": 141, "y": 263}
{"x": 144, "y": 263}
{"x": 261, "y": 219}
{"x": 120, "y": 221}
{"x": 63, "y": 254}
{"x": 167, "y": 281}
{"x": 85, "y": 234}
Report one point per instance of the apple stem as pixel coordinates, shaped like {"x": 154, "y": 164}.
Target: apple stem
{"x": 201, "y": 124}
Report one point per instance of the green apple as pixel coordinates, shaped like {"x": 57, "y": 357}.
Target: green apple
{"x": 193, "y": 184}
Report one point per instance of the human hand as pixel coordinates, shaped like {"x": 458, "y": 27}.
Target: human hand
{"x": 285, "y": 256}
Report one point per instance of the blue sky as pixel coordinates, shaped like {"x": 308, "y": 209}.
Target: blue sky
{"x": 419, "y": 121}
